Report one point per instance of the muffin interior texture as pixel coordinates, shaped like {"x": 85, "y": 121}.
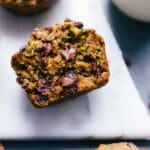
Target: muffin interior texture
{"x": 61, "y": 61}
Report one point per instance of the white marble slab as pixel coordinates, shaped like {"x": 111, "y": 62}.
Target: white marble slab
{"x": 110, "y": 112}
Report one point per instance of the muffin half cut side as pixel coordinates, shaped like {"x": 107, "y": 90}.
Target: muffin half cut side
{"x": 61, "y": 61}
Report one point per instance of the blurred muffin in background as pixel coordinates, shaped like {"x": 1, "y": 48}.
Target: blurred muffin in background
{"x": 119, "y": 146}
{"x": 26, "y": 7}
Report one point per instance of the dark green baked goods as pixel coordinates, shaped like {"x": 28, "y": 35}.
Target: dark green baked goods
{"x": 61, "y": 61}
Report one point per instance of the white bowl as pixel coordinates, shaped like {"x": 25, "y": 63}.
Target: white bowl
{"x": 137, "y": 9}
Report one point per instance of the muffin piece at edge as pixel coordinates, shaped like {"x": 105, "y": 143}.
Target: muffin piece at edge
{"x": 118, "y": 146}
{"x": 26, "y": 7}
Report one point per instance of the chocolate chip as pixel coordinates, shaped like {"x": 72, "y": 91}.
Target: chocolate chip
{"x": 46, "y": 48}
{"x": 95, "y": 69}
{"x": 20, "y": 79}
{"x": 22, "y": 49}
{"x": 129, "y": 144}
{"x": 68, "y": 20}
{"x": 98, "y": 73}
{"x": 78, "y": 24}
{"x": 44, "y": 60}
{"x": 94, "y": 66}
{"x": 68, "y": 79}
{"x": 68, "y": 46}
{"x": 48, "y": 28}
{"x": 41, "y": 85}
{"x": 44, "y": 85}
{"x": 69, "y": 54}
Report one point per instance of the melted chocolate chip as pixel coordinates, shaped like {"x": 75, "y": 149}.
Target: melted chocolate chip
{"x": 94, "y": 66}
{"x": 78, "y": 24}
{"x": 46, "y": 48}
{"x": 68, "y": 20}
{"x": 40, "y": 85}
{"x": 68, "y": 79}
{"x": 98, "y": 73}
{"x": 96, "y": 70}
{"x": 44, "y": 86}
{"x": 48, "y": 28}
{"x": 69, "y": 54}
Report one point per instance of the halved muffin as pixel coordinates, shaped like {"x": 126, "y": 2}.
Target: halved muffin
{"x": 61, "y": 61}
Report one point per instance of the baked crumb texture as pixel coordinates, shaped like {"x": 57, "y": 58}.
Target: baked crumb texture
{"x": 118, "y": 146}
{"x": 26, "y": 6}
{"x": 61, "y": 61}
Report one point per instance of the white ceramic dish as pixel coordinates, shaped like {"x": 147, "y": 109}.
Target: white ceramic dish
{"x": 137, "y": 9}
{"x": 110, "y": 112}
